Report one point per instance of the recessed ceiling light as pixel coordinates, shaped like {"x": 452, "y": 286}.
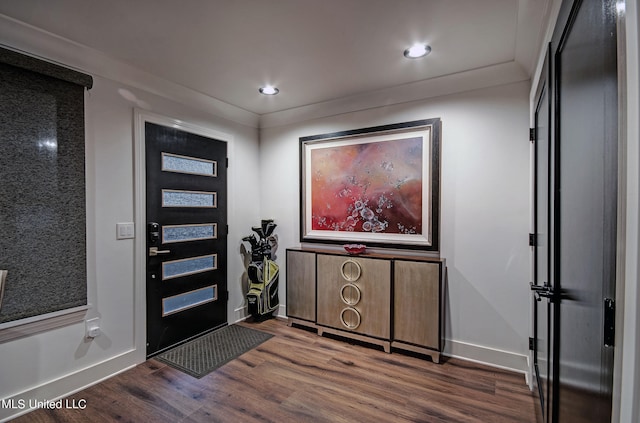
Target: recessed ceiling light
{"x": 417, "y": 50}
{"x": 269, "y": 90}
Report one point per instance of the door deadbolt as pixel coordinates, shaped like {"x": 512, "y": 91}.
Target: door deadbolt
{"x": 154, "y": 233}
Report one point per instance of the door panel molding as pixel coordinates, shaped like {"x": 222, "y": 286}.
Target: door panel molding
{"x": 140, "y": 117}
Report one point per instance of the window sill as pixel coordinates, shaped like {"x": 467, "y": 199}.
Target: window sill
{"x": 32, "y": 325}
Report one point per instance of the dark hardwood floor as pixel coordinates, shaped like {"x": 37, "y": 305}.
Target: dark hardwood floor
{"x": 297, "y": 376}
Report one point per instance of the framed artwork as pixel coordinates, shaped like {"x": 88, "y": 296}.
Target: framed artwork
{"x": 378, "y": 186}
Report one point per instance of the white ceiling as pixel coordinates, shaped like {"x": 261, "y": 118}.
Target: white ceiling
{"x": 312, "y": 50}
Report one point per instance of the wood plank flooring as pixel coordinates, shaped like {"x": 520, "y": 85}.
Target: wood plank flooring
{"x": 297, "y": 376}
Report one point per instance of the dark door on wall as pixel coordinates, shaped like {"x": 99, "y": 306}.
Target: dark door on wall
{"x": 582, "y": 224}
{"x": 542, "y": 290}
{"x": 586, "y": 210}
{"x": 186, "y": 235}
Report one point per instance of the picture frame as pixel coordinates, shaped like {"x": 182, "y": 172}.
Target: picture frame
{"x": 378, "y": 186}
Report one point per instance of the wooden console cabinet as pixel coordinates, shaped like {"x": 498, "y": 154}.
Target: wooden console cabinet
{"x": 417, "y": 320}
{"x": 353, "y": 295}
{"x": 391, "y": 301}
{"x": 301, "y": 296}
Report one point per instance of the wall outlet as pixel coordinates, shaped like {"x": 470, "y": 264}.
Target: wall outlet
{"x": 92, "y": 327}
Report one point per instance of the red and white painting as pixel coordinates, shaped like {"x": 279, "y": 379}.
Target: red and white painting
{"x": 369, "y": 189}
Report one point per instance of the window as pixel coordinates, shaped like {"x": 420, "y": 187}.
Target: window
{"x": 42, "y": 194}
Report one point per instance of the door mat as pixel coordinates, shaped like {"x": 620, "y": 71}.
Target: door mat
{"x": 203, "y": 355}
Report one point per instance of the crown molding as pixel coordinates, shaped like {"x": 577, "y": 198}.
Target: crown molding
{"x": 27, "y": 39}
{"x": 17, "y": 35}
{"x": 490, "y": 76}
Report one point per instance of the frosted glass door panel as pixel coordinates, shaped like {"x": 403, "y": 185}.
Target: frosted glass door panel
{"x": 176, "y": 268}
{"x": 182, "y": 233}
{"x": 189, "y": 300}
{"x": 185, "y": 164}
{"x": 177, "y": 198}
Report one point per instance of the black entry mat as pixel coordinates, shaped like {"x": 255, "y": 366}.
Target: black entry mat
{"x": 203, "y": 355}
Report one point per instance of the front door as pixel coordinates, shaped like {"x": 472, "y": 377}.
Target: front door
{"x": 186, "y": 250}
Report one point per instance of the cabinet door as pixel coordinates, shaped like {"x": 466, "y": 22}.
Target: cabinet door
{"x": 301, "y": 285}
{"x": 354, "y": 294}
{"x": 417, "y": 303}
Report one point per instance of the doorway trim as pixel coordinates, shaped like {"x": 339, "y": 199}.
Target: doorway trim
{"x": 141, "y": 116}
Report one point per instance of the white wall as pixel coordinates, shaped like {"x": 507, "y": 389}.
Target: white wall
{"x": 484, "y": 209}
{"x": 60, "y": 361}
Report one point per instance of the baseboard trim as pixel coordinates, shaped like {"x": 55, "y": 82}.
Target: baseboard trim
{"x": 493, "y": 357}
{"x": 52, "y": 391}
{"x": 240, "y": 314}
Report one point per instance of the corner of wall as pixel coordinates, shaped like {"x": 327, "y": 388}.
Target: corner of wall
{"x": 489, "y": 356}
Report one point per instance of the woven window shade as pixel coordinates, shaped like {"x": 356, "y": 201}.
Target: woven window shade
{"x": 42, "y": 187}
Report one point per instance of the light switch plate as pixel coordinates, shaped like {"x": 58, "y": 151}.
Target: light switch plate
{"x": 125, "y": 230}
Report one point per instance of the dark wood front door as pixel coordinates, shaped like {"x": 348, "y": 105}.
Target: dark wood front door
{"x": 186, "y": 235}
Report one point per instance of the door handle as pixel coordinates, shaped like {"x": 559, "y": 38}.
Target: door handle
{"x": 153, "y": 251}
{"x": 545, "y": 291}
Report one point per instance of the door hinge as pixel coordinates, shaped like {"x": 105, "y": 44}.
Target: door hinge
{"x": 226, "y": 162}
{"x": 532, "y": 240}
{"x": 227, "y": 229}
{"x": 609, "y": 322}
{"x": 532, "y": 344}
{"x": 532, "y": 134}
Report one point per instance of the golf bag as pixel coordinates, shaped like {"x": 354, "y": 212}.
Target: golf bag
{"x": 263, "y": 272}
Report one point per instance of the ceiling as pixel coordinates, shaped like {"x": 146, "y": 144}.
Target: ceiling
{"x": 313, "y": 50}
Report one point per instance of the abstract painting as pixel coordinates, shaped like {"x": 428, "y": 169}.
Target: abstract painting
{"x": 372, "y": 185}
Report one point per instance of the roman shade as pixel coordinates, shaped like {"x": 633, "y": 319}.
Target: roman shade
{"x": 42, "y": 187}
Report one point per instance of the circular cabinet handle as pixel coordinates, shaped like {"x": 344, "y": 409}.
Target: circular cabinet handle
{"x": 350, "y": 294}
{"x": 351, "y": 270}
{"x": 350, "y": 318}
